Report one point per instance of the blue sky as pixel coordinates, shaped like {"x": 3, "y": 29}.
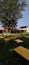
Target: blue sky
{"x": 25, "y": 20}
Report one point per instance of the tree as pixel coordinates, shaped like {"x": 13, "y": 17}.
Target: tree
{"x": 11, "y": 11}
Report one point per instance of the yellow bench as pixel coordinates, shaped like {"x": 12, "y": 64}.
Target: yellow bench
{"x": 23, "y": 52}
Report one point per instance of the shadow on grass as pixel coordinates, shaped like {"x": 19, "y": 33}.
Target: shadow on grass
{"x": 7, "y": 55}
{"x": 6, "y": 52}
{"x": 25, "y": 43}
{"x": 13, "y": 44}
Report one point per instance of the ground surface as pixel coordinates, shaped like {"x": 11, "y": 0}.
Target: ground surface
{"x": 8, "y": 55}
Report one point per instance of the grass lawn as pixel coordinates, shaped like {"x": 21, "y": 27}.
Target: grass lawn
{"x": 26, "y": 41}
{"x": 7, "y": 55}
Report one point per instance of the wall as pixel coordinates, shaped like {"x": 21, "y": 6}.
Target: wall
{"x": 27, "y": 29}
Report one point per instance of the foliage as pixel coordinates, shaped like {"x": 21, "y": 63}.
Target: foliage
{"x": 11, "y": 11}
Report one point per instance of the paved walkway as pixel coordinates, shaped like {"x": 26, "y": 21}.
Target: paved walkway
{"x": 7, "y": 39}
{"x": 18, "y": 41}
{"x": 23, "y": 52}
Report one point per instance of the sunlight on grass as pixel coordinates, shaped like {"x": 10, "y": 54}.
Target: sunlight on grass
{"x": 11, "y": 50}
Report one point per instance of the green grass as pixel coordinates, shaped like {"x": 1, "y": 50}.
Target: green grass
{"x": 26, "y": 41}
{"x": 25, "y": 34}
{"x": 6, "y": 50}
{"x": 7, "y": 55}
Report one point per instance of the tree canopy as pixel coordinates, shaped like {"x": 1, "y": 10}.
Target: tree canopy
{"x": 11, "y": 11}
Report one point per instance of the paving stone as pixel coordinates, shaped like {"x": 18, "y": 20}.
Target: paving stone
{"x": 18, "y": 41}
{"x": 23, "y": 52}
